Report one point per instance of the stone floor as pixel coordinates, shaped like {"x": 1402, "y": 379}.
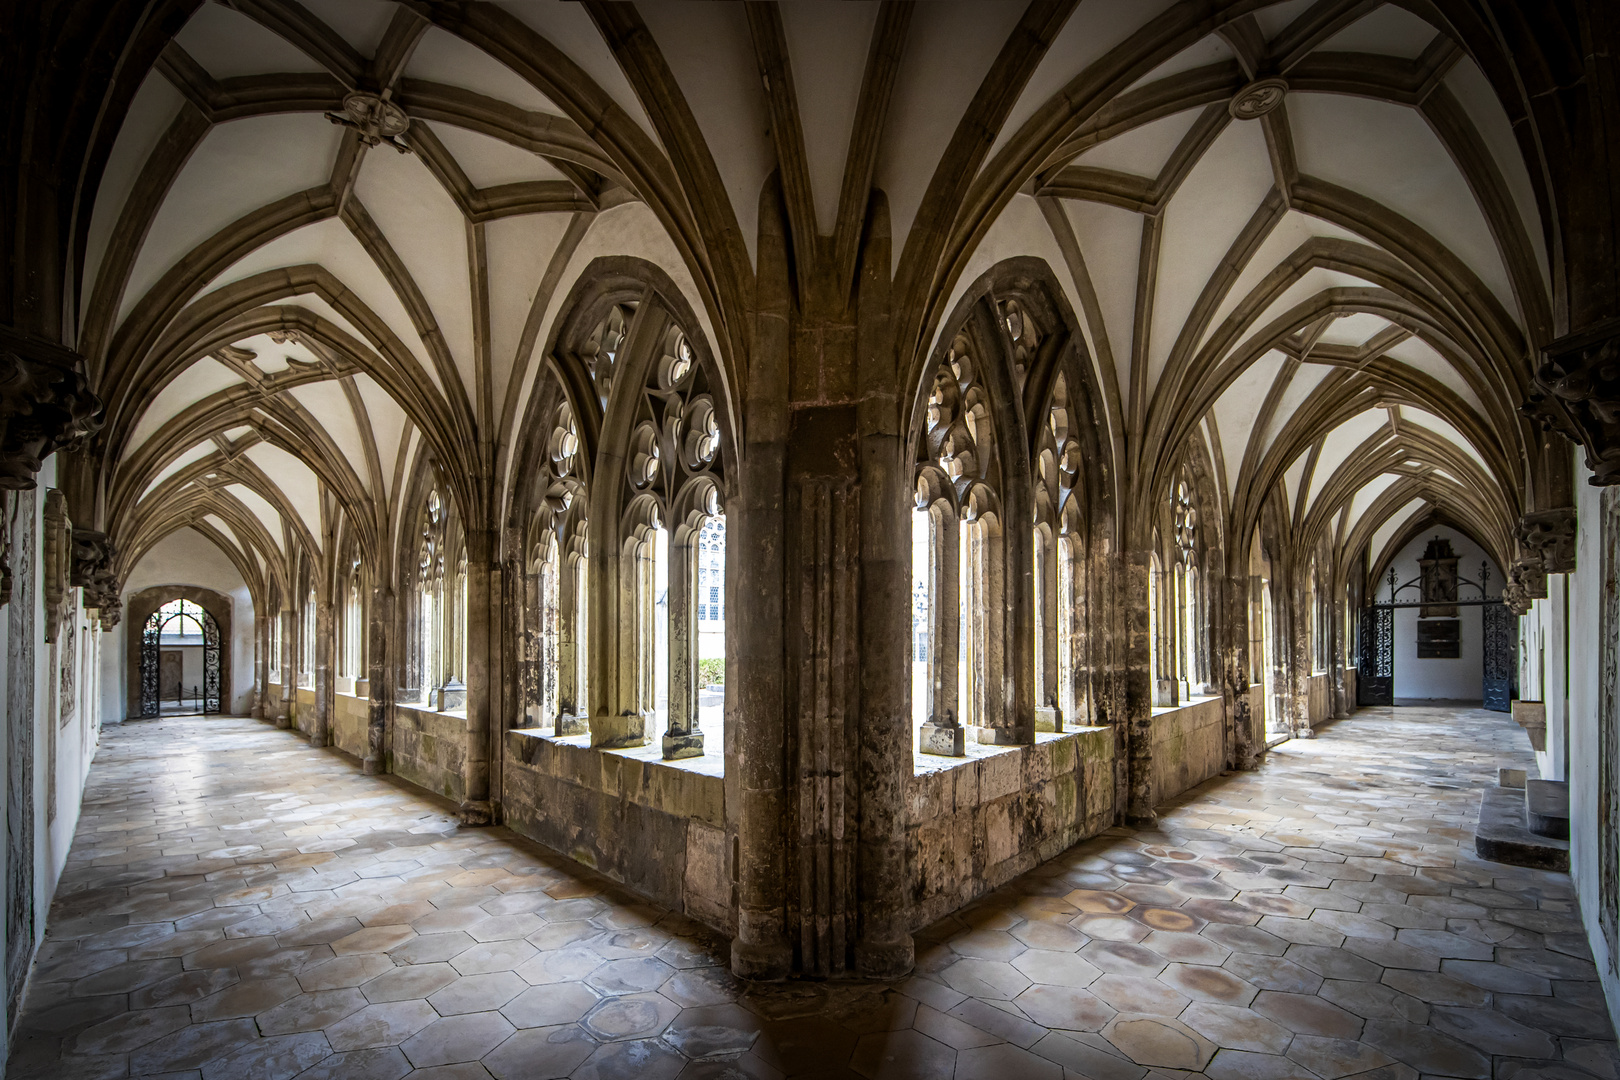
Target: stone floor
{"x": 238, "y": 905}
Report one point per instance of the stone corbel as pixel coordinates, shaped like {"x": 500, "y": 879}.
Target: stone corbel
{"x": 1581, "y": 377}
{"x": 93, "y": 555}
{"x": 55, "y": 564}
{"x": 1547, "y": 538}
{"x": 45, "y": 405}
{"x": 1516, "y": 596}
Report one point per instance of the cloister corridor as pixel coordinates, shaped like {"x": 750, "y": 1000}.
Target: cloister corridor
{"x": 237, "y": 904}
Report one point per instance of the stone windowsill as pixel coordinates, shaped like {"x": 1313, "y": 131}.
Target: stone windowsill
{"x": 712, "y": 763}
{"x": 977, "y": 751}
{"x": 1193, "y": 701}
{"x": 428, "y": 709}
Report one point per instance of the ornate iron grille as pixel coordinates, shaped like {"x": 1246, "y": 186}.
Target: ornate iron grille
{"x": 151, "y": 655}
{"x": 1501, "y": 656}
{"x": 210, "y": 664}
{"x": 1375, "y": 679}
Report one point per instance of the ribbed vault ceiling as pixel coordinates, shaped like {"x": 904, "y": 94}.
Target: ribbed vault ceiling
{"x": 1337, "y": 296}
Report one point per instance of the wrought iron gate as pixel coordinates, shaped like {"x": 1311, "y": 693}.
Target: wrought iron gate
{"x": 1501, "y": 657}
{"x": 1375, "y": 670}
{"x": 152, "y": 655}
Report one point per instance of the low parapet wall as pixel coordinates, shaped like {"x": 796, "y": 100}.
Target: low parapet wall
{"x": 659, "y": 828}
{"x": 976, "y": 823}
{"x": 1189, "y": 746}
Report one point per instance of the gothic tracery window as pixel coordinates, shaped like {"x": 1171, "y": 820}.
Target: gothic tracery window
{"x": 1059, "y": 526}
{"x": 556, "y": 608}
{"x": 674, "y": 549}
{"x": 436, "y": 616}
{"x": 957, "y": 551}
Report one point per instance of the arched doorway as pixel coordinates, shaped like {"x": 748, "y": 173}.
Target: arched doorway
{"x": 180, "y": 661}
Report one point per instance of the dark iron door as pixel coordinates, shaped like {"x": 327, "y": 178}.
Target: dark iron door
{"x": 1501, "y": 657}
{"x": 151, "y": 665}
{"x": 1375, "y": 673}
{"x": 210, "y": 701}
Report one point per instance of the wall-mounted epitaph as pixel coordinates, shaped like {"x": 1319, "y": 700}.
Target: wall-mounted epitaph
{"x": 1438, "y": 576}
{"x": 1439, "y": 639}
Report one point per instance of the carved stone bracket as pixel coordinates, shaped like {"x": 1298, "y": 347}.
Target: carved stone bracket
{"x": 1547, "y": 538}
{"x": 93, "y": 555}
{"x": 45, "y": 405}
{"x": 1516, "y": 596}
{"x": 1581, "y": 377}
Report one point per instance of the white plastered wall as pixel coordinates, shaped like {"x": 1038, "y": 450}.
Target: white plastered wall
{"x": 1586, "y": 589}
{"x": 1461, "y": 679}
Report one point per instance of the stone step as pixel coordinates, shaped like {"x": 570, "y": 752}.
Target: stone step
{"x": 1546, "y": 807}
{"x": 1502, "y": 835}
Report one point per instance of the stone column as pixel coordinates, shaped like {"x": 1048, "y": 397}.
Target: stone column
{"x": 1048, "y": 715}
{"x": 754, "y": 704}
{"x": 683, "y": 739}
{"x": 1159, "y": 599}
{"x": 1139, "y": 812}
{"x": 943, "y": 734}
{"x": 381, "y": 676}
{"x": 573, "y": 708}
{"x": 320, "y": 733}
{"x": 289, "y": 676}
{"x": 883, "y": 946}
{"x": 261, "y": 665}
{"x": 477, "y": 623}
{"x": 1300, "y": 665}
{"x": 1235, "y": 666}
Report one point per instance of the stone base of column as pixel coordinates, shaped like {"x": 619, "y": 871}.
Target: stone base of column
{"x": 284, "y": 722}
{"x": 942, "y": 741}
{"x": 452, "y": 695}
{"x": 1141, "y": 821}
{"x": 995, "y": 736}
{"x": 683, "y": 746}
{"x": 568, "y": 724}
{"x": 618, "y": 732}
{"x": 885, "y": 960}
{"x": 1166, "y": 693}
{"x": 764, "y": 963}
{"x": 318, "y": 741}
{"x": 371, "y": 767}
{"x": 475, "y": 813}
{"x": 1048, "y": 718}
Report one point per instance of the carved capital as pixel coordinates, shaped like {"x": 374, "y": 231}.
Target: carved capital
{"x": 45, "y": 405}
{"x": 1581, "y": 380}
{"x": 1547, "y": 538}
